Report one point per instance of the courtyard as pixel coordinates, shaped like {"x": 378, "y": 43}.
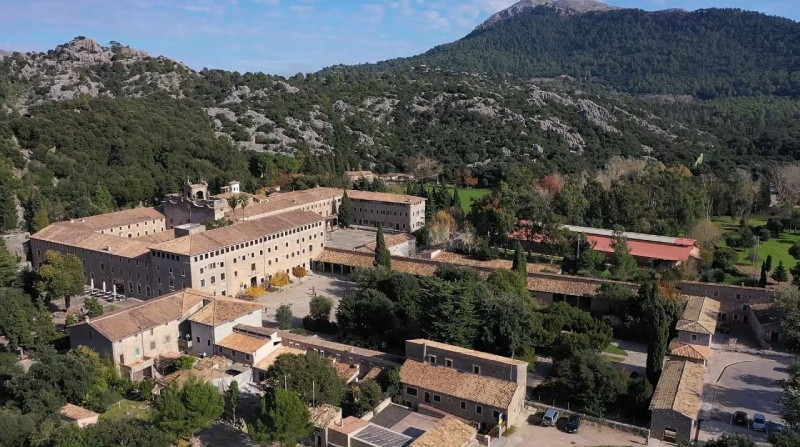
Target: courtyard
{"x": 298, "y": 295}
{"x": 742, "y": 381}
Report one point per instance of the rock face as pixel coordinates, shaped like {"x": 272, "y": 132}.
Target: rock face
{"x": 524, "y": 6}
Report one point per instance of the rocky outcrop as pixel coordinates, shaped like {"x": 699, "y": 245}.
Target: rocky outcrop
{"x": 526, "y": 6}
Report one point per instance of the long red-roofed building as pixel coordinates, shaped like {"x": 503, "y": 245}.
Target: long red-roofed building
{"x": 653, "y": 250}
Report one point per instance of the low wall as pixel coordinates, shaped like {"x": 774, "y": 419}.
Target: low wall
{"x": 641, "y": 431}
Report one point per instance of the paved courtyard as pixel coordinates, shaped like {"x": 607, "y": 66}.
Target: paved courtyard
{"x": 589, "y": 434}
{"x": 299, "y": 294}
{"x": 742, "y": 381}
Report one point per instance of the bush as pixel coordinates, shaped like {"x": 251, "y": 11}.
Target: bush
{"x": 764, "y": 234}
{"x": 713, "y": 275}
{"x": 183, "y": 362}
{"x": 284, "y": 316}
{"x": 315, "y": 325}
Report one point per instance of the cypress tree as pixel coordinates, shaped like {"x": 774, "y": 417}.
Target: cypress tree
{"x": 382, "y": 256}
{"x": 520, "y": 264}
{"x": 346, "y": 212}
{"x": 768, "y": 263}
{"x": 456, "y": 202}
{"x": 654, "y": 318}
{"x": 763, "y": 280}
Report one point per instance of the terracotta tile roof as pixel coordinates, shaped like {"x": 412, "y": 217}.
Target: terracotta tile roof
{"x": 458, "y": 259}
{"x": 680, "y": 388}
{"x": 360, "y": 259}
{"x": 206, "y": 241}
{"x": 569, "y": 285}
{"x": 323, "y": 416}
{"x": 205, "y": 369}
{"x": 686, "y": 350}
{"x": 469, "y": 352}
{"x": 279, "y": 202}
{"x": 121, "y": 218}
{"x": 155, "y": 238}
{"x": 449, "y": 432}
{"x": 350, "y": 424}
{"x": 243, "y": 342}
{"x": 472, "y": 387}
{"x": 390, "y": 239}
{"x": 149, "y": 314}
{"x": 267, "y": 361}
{"x": 383, "y": 197}
{"x": 223, "y": 310}
{"x": 700, "y": 316}
{"x": 331, "y": 346}
{"x": 79, "y": 235}
{"x": 346, "y": 371}
{"x": 76, "y": 413}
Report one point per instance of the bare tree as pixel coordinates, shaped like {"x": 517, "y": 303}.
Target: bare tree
{"x": 786, "y": 180}
{"x": 423, "y": 168}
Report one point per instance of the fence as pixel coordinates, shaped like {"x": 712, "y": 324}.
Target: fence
{"x": 635, "y": 429}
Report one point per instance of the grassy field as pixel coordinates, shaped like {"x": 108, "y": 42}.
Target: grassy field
{"x": 127, "y": 409}
{"x": 614, "y": 349}
{"x": 466, "y": 195}
{"x": 777, "y": 247}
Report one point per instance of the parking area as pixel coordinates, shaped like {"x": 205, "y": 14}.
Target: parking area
{"x": 529, "y": 433}
{"x": 299, "y": 294}
{"x": 742, "y": 381}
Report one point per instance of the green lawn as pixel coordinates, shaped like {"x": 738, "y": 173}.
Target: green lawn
{"x": 616, "y": 350}
{"x": 777, "y": 247}
{"x": 127, "y": 409}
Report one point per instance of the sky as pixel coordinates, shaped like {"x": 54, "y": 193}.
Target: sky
{"x": 278, "y": 36}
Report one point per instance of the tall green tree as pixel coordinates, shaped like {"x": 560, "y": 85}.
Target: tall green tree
{"x": 363, "y": 397}
{"x": 320, "y": 308}
{"x": 232, "y": 397}
{"x": 9, "y": 268}
{"x": 346, "y": 212}
{"x": 382, "y": 256}
{"x": 762, "y": 281}
{"x": 61, "y": 276}
{"x": 655, "y": 319}
{"x": 284, "y": 419}
{"x": 8, "y": 210}
{"x": 456, "y": 201}
{"x": 623, "y": 264}
{"x": 284, "y": 317}
{"x": 183, "y": 411}
{"x": 520, "y": 263}
{"x": 787, "y": 298}
{"x": 780, "y": 274}
{"x": 313, "y": 377}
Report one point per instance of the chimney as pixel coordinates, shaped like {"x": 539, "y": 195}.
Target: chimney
{"x": 424, "y": 350}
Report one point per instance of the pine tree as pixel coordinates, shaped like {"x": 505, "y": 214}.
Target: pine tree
{"x": 382, "y": 256}
{"x": 768, "y": 263}
{"x": 346, "y": 212}
{"x": 520, "y": 264}
{"x": 232, "y": 396}
{"x": 780, "y": 274}
{"x": 284, "y": 419}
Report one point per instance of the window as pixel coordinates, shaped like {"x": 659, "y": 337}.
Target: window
{"x": 138, "y": 352}
{"x": 198, "y": 339}
{"x": 432, "y": 359}
{"x": 213, "y": 279}
{"x": 152, "y": 345}
{"x": 463, "y": 405}
{"x": 167, "y": 339}
{"x": 476, "y": 369}
{"x": 411, "y": 391}
{"x": 208, "y": 342}
{"x": 495, "y": 414}
{"x": 437, "y": 398}
{"x": 694, "y": 337}
{"x": 478, "y": 409}
{"x": 448, "y": 363}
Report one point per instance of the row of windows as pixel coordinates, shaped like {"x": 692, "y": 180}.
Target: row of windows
{"x": 448, "y": 363}
{"x": 384, "y": 212}
{"x": 258, "y": 241}
{"x": 411, "y": 391}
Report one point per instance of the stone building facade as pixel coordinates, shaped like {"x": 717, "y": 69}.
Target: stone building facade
{"x": 734, "y": 300}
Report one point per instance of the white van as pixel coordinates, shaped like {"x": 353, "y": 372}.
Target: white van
{"x": 550, "y": 417}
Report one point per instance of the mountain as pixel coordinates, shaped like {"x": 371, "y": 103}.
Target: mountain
{"x": 525, "y": 6}
{"x": 708, "y": 53}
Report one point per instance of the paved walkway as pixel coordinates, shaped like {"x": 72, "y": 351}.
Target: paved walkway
{"x": 636, "y": 360}
{"x": 299, "y": 294}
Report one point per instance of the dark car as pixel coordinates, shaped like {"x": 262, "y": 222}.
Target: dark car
{"x": 572, "y": 424}
{"x": 725, "y": 327}
{"x": 740, "y": 418}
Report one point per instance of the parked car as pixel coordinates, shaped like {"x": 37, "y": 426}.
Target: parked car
{"x": 740, "y": 418}
{"x": 759, "y": 422}
{"x": 550, "y": 418}
{"x": 725, "y": 327}
{"x": 573, "y": 424}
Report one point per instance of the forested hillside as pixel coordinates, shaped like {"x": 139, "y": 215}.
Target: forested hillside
{"x": 707, "y": 53}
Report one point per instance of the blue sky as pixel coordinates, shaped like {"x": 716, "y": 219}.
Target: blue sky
{"x": 278, "y": 36}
